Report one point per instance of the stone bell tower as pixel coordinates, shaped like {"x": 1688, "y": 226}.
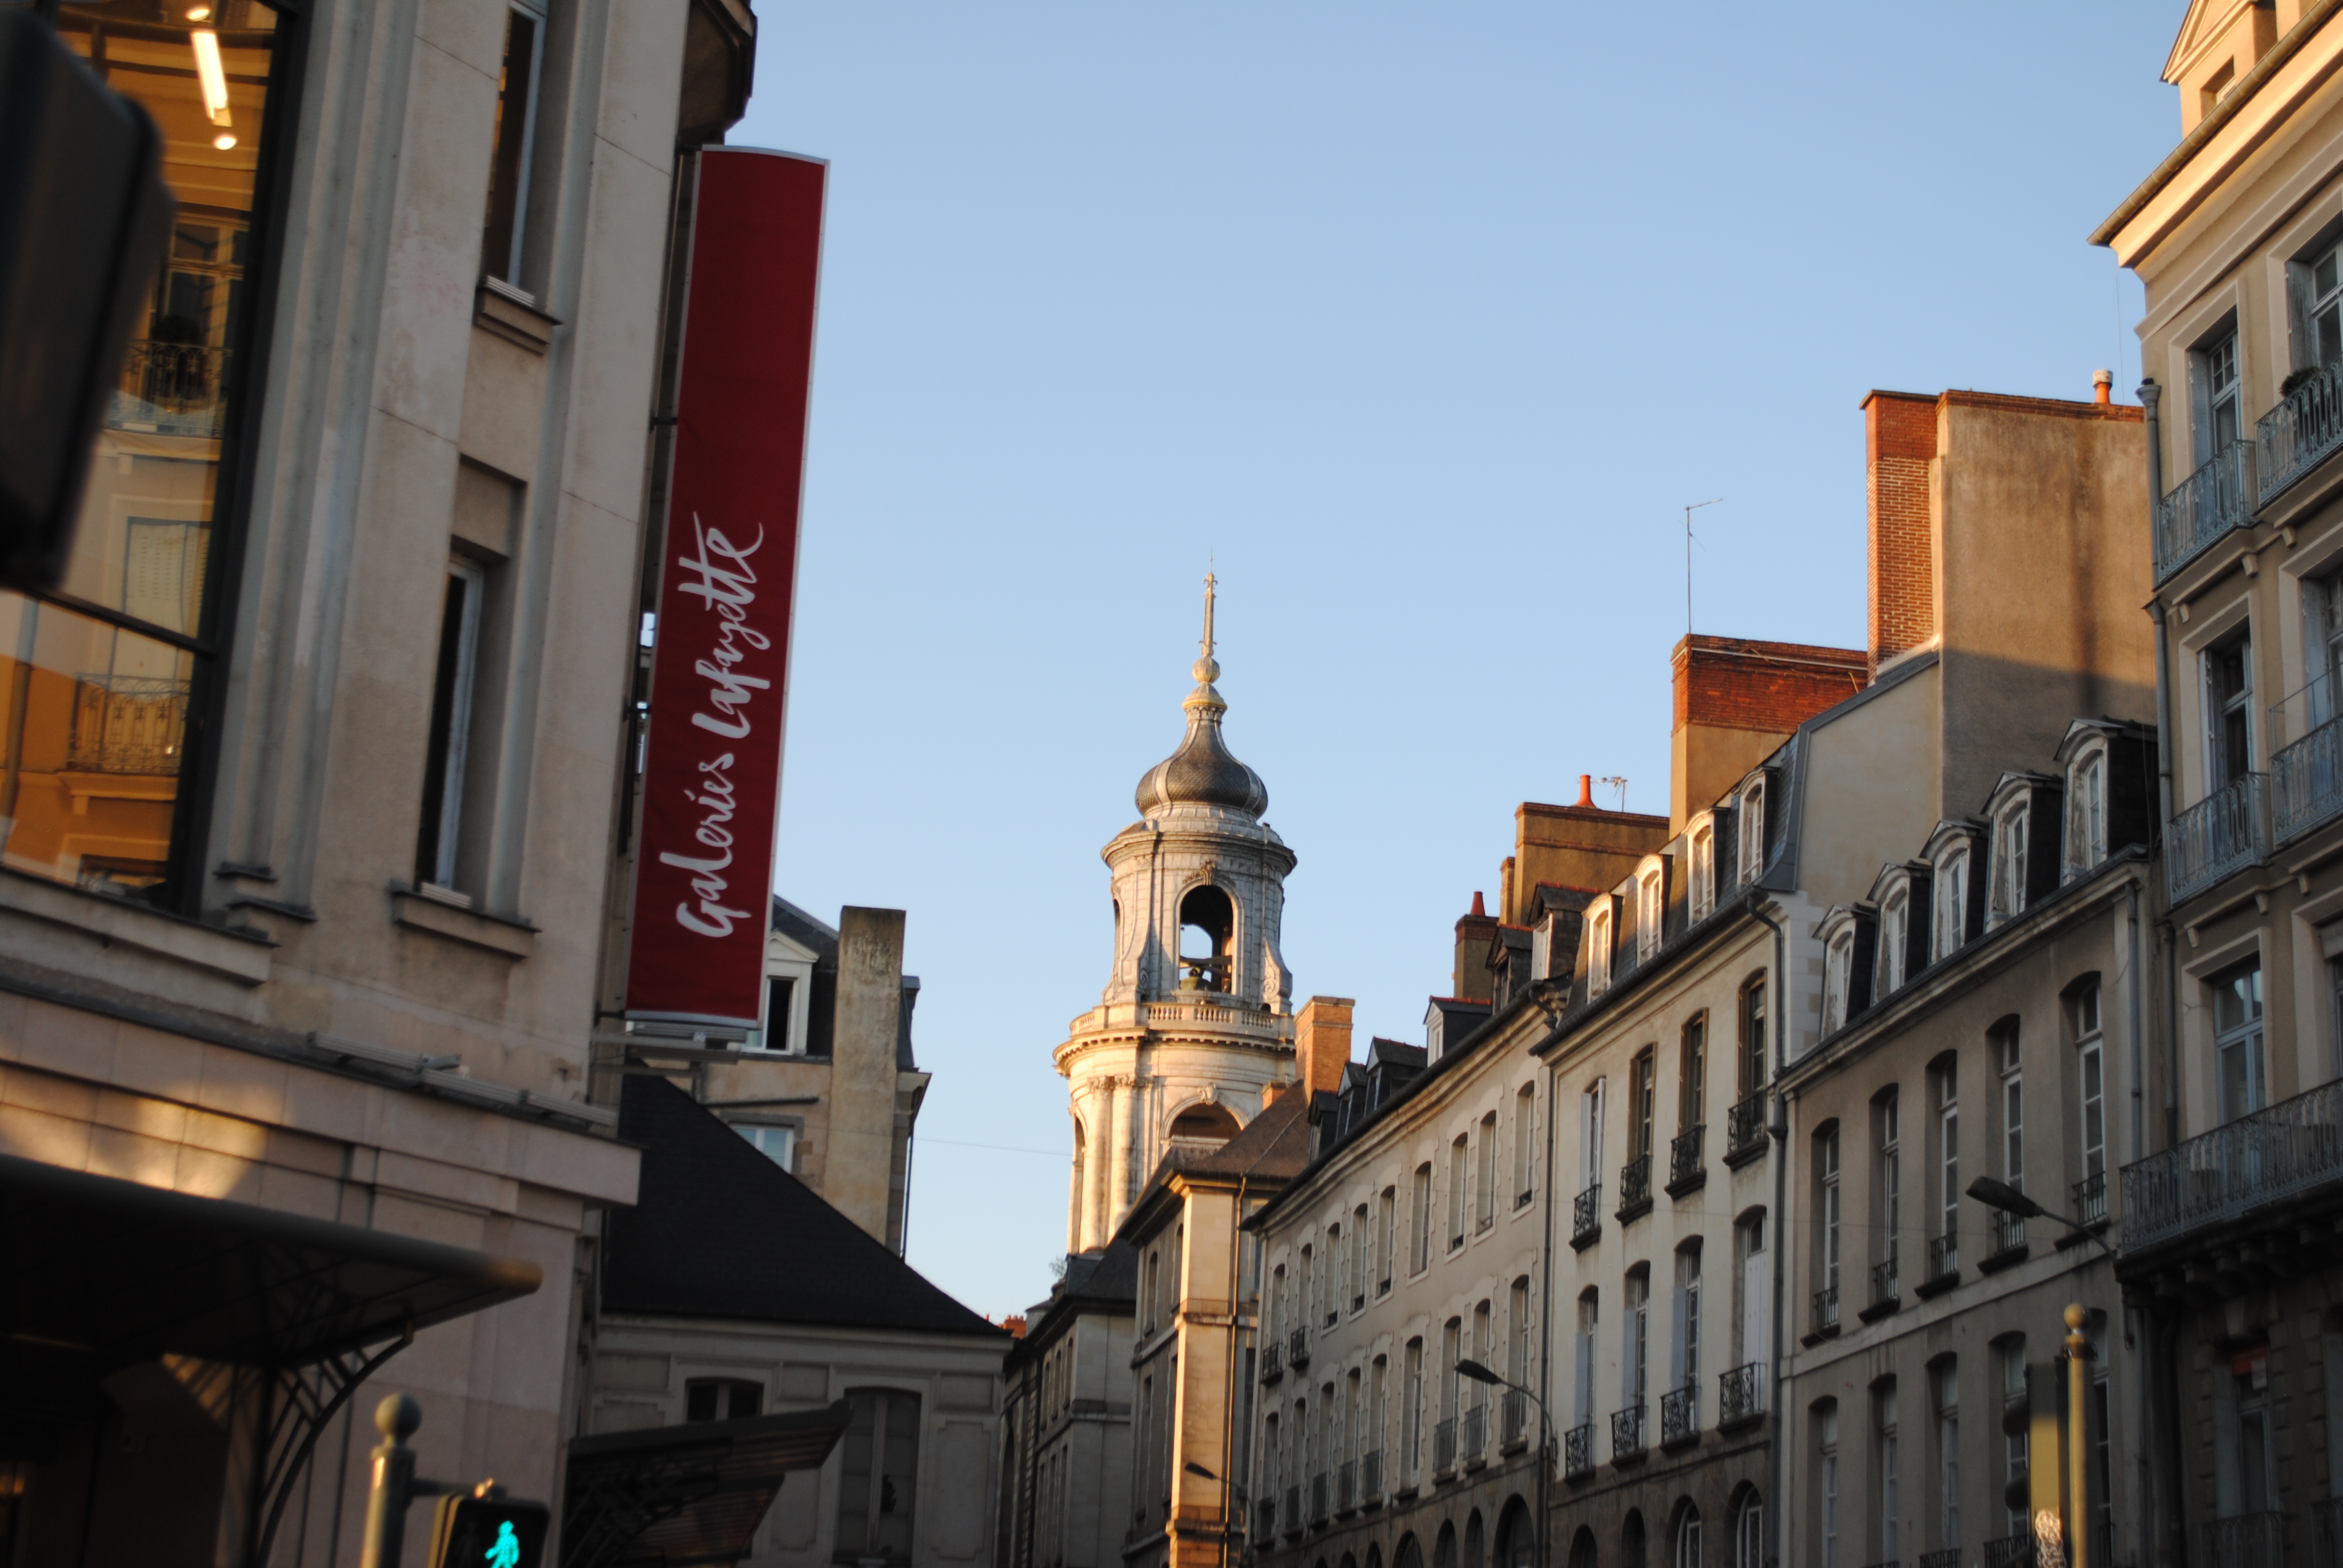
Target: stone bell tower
{"x": 1197, "y": 1017}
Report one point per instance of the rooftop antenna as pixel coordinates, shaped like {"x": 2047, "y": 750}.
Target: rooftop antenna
{"x": 1618, "y": 783}
{"x": 1688, "y": 512}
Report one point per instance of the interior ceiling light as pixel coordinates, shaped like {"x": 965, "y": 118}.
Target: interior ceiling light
{"x": 199, "y": 13}
{"x": 212, "y": 74}
{"x": 225, "y": 140}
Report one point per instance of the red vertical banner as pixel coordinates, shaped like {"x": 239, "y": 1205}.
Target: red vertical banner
{"x": 719, "y": 667}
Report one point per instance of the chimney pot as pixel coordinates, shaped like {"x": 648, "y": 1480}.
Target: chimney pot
{"x": 1587, "y": 789}
{"x": 1479, "y": 913}
{"x": 2103, "y": 387}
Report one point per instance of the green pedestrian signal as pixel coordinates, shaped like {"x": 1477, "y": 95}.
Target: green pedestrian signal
{"x": 505, "y": 1550}
{"x": 470, "y": 1530}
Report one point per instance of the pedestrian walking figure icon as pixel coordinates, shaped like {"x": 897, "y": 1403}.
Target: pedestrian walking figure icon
{"x": 505, "y": 1551}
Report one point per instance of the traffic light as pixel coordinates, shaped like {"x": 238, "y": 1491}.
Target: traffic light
{"x": 470, "y": 1530}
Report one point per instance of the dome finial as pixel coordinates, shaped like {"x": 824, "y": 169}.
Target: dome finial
{"x": 1207, "y": 669}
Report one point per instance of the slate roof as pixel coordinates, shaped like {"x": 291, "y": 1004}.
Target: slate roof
{"x": 720, "y": 1231}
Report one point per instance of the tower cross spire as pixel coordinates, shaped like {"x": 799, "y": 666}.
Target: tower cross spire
{"x": 1210, "y": 582}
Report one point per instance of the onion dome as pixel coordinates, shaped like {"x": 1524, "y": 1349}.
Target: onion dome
{"x": 1203, "y": 771}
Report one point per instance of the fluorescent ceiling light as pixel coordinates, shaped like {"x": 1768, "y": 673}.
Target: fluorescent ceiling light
{"x": 214, "y": 76}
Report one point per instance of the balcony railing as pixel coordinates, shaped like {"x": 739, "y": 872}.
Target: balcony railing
{"x": 1332, "y": 1317}
{"x": 1297, "y": 1349}
{"x": 1473, "y": 1439}
{"x": 2009, "y": 1230}
{"x": 1371, "y": 1480}
{"x": 2227, "y": 831}
{"x": 1578, "y": 1449}
{"x": 1443, "y": 1447}
{"x": 1744, "y": 1127}
{"x": 2291, "y": 438}
{"x": 1586, "y": 1216}
{"x": 1264, "y": 1519}
{"x": 1944, "y": 1255}
{"x": 1521, "y": 1199}
{"x": 1883, "y": 1287}
{"x": 127, "y": 724}
{"x": 1683, "y": 1157}
{"x": 1827, "y": 1310}
{"x": 1679, "y": 1414}
{"x": 2327, "y": 1521}
{"x": 2244, "y": 1541}
{"x": 2203, "y": 506}
{"x": 1741, "y": 1393}
{"x": 1359, "y": 1301}
{"x": 1635, "y": 1188}
{"x": 2290, "y": 1148}
{"x": 1346, "y": 1486}
{"x": 1272, "y": 1359}
{"x": 1942, "y": 1557}
{"x": 2011, "y": 1551}
{"x": 1514, "y": 1412}
{"x": 2091, "y": 1200}
{"x": 1292, "y": 1514}
{"x": 2307, "y": 782}
{"x": 1627, "y": 1440}
{"x": 170, "y": 387}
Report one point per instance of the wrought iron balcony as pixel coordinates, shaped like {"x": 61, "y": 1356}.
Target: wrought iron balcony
{"x": 173, "y": 389}
{"x": 2289, "y": 1149}
{"x": 1741, "y": 1393}
{"x": 1297, "y": 1349}
{"x": 2227, "y": 831}
{"x": 1578, "y": 1449}
{"x": 1944, "y": 1256}
{"x": 2011, "y": 1551}
{"x": 1635, "y": 1188}
{"x": 1586, "y": 1216}
{"x": 1318, "y": 1490}
{"x": 1684, "y": 1169}
{"x": 1272, "y": 1359}
{"x": 1521, "y": 1199}
{"x": 1359, "y": 1303}
{"x": 2244, "y": 1541}
{"x": 1627, "y": 1438}
{"x": 2294, "y": 437}
{"x": 1679, "y": 1414}
{"x": 2306, "y": 779}
{"x": 1371, "y": 1480}
{"x": 1943, "y": 1557}
{"x": 1292, "y": 1514}
{"x": 1744, "y": 1129}
{"x": 1473, "y": 1433}
{"x": 2008, "y": 1231}
{"x": 2208, "y": 503}
{"x": 1515, "y": 1410}
{"x": 1883, "y": 1288}
{"x": 1443, "y": 1447}
{"x": 1346, "y": 1486}
{"x": 1827, "y": 1310}
{"x": 1332, "y": 1317}
{"x": 2091, "y": 1200}
{"x": 127, "y": 724}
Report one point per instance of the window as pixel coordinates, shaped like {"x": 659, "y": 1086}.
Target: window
{"x": 1692, "y": 1075}
{"x": 1753, "y": 833}
{"x": 2009, "y": 833}
{"x": 1517, "y": 1332}
{"x": 1378, "y": 1406}
{"x": 1838, "y": 979}
{"x": 1598, "y": 951}
{"x": 452, "y": 689}
{"x": 1948, "y": 1150}
{"x": 1891, "y": 1187}
{"x": 2220, "y": 414}
{"x": 1753, "y": 1314}
{"x": 1944, "y": 1376}
{"x": 2086, "y": 811}
{"x": 1386, "y": 1237}
{"x": 1827, "y": 1208}
{"x": 1703, "y": 873}
{"x": 104, "y": 678}
{"x": 1589, "y": 1317}
{"x": 1421, "y": 1198}
{"x": 1486, "y": 1201}
{"x": 1460, "y": 1169}
{"x": 1753, "y": 1038}
{"x": 1890, "y": 1464}
{"x": 879, "y": 1467}
{"x": 2013, "y": 1104}
{"x": 1650, "y": 914}
{"x": 2252, "y": 1454}
{"x": 1334, "y": 1275}
{"x": 1277, "y": 1304}
{"x": 2091, "y": 1081}
{"x": 2229, "y": 712}
{"x": 1307, "y": 1298}
{"x": 2320, "y": 287}
{"x": 1483, "y": 1349}
{"x": 514, "y": 141}
{"x": 1687, "y": 1317}
{"x": 1362, "y": 1256}
{"x": 2322, "y": 618}
{"x": 1524, "y": 1142}
{"x": 1688, "y": 1538}
{"x": 2011, "y": 1353}
{"x": 1894, "y": 927}
{"x": 2237, "y": 1039}
{"x": 1952, "y": 904}
{"x": 1749, "y": 1533}
{"x": 1590, "y": 1135}
{"x": 776, "y": 1142}
{"x": 722, "y": 1399}
{"x": 1452, "y": 1350}
{"x": 1411, "y": 1411}
{"x": 1636, "y": 1360}
{"x": 1826, "y": 1483}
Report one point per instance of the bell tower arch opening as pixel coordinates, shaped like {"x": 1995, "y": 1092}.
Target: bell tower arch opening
{"x": 1204, "y": 1127}
{"x": 1208, "y": 930}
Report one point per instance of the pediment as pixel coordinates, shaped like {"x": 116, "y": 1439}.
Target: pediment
{"x": 2209, "y": 22}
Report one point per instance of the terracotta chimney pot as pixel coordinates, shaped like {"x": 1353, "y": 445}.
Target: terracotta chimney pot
{"x": 1587, "y": 789}
{"x": 2103, "y": 386}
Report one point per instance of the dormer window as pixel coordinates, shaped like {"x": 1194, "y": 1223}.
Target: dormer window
{"x": 2009, "y": 835}
{"x": 1838, "y": 978}
{"x": 1598, "y": 953}
{"x": 2086, "y": 811}
{"x": 1753, "y": 832}
{"x": 1949, "y": 927}
{"x": 1895, "y": 932}
{"x": 1650, "y": 914}
{"x": 1701, "y": 894}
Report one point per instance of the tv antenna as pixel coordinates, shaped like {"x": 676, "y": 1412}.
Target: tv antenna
{"x": 1688, "y": 512}
{"x": 1618, "y": 783}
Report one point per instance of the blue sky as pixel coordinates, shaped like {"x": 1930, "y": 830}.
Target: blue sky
{"x": 1422, "y": 324}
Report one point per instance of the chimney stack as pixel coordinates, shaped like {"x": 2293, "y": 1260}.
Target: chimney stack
{"x": 1899, "y": 432}
{"x": 2103, "y": 387}
{"x": 1321, "y": 1043}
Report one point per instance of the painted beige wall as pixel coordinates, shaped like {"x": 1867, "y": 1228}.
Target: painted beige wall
{"x": 1872, "y": 782}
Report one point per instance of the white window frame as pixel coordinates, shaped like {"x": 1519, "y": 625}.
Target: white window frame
{"x": 2086, "y": 809}
{"x": 508, "y": 272}
{"x": 1838, "y": 978}
{"x": 1950, "y": 900}
{"x": 2091, "y": 1081}
{"x": 1651, "y": 913}
{"x": 2011, "y": 831}
{"x": 1895, "y": 935}
{"x": 1752, "y": 825}
{"x": 1701, "y": 894}
{"x": 1598, "y": 953}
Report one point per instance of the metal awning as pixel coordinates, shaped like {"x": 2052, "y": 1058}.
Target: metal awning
{"x": 689, "y": 1495}
{"x": 97, "y": 1273}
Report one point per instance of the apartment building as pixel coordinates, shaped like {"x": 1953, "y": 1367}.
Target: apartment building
{"x": 2229, "y": 1208}
{"x": 306, "y": 781}
{"x": 1985, "y": 1008}
{"x": 1064, "y": 1475}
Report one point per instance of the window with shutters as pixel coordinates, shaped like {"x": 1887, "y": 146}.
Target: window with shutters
{"x": 879, "y": 1468}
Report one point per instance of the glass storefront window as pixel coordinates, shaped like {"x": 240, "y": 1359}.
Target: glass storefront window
{"x": 99, "y": 681}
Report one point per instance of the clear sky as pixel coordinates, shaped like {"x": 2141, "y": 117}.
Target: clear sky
{"x": 1422, "y": 322}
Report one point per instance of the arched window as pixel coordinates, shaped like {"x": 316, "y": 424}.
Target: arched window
{"x": 1749, "y": 1529}
{"x": 1516, "y": 1536}
{"x": 1444, "y": 1554}
{"x": 1581, "y": 1549}
{"x": 1686, "y": 1553}
{"x": 1630, "y": 1540}
{"x": 1203, "y": 1126}
{"x": 1374, "y": 1555}
{"x": 1475, "y": 1541}
{"x": 1408, "y": 1554}
{"x": 1208, "y": 928}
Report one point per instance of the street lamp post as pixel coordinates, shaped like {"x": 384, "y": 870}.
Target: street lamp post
{"x": 1478, "y": 1373}
{"x": 2001, "y": 1195}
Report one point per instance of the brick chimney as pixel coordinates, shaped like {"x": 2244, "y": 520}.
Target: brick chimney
{"x": 1899, "y": 440}
{"x": 1737, "y": 700}
{"x": 1322, "y": 1042}
{"x": 1475, "y": 934}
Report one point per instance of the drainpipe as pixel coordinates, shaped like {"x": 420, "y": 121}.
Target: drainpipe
{"x": 1780, "y": 1130}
